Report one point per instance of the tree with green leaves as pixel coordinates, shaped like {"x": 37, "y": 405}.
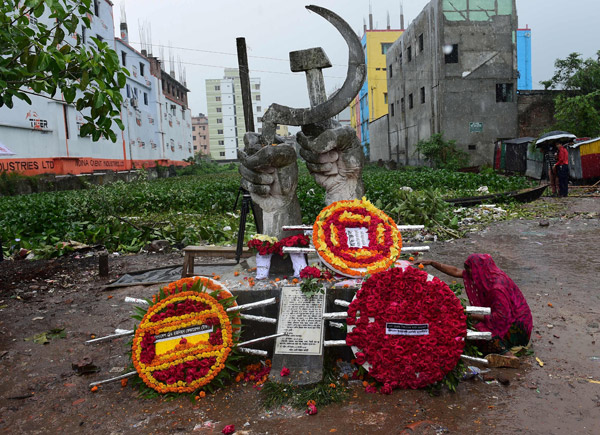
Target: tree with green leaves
{"x": 577, "y": 111}
{"x": 442, "y": 154}
{"x": 42, "y": 53}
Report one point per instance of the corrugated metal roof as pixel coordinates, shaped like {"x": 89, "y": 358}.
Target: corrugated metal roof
{"x": 578, "y": 144}
{"x": 519, "y": 140}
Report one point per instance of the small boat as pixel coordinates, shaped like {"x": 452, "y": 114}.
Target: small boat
{"x": 524, "y": 195}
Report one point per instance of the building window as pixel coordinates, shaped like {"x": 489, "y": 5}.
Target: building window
{"x": 258, "y": 108}
{"x": 409, "y": 54}
{"x": 392, "y": 109}
{"x": 400, "y": 59}
{"x": 391, "y": 71}
{"x": 257, "y": 86}
{"x": 421, "y": 45}
{"x": 385, "y": 47}
{"x": 422, "y": 95}
{"x": 128, "y": 90}
{"x": 204, "y": 127}
{"x": 173, "y": 109}
{"x": 472, "y": 147}
{"x": 385, "y": 100}
{"x": 257, "y": 97}
{"x": 222, "y": 142}
{"x": 217, "y": 98}
{"x": 217, "y": 88}
{"x": 193, "y": 128}
{"x": 219, "y": 131}
{"x": 504, "y": 93}
{"x": 259, "y": 119}
{"x": 100, "y": 38}
{"x": 96, "y": 8}
{"x": 451, "y": 53}
{"x": 218, "y": 110}
{"x": 142, "y": 69}
{"x": 219, "y": 120}
{"x": 124, "y": 58}
{"x": 410, "y": 101}
{"x": 83, "y": 30}
{"x": 193, "y": 137}
{"x": 146, "y": 98}
{"x": 402, "y": 105}
{"x": 222, "y": 153}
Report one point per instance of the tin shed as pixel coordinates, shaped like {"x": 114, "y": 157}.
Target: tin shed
{"x": 584, "y": 159}
{"x": 516, "y": 154}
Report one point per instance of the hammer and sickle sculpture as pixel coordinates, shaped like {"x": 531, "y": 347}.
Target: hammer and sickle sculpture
{"x": 333, "y": 154}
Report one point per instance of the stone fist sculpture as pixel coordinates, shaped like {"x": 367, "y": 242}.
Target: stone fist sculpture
{"x": 270, "y": 174}
{"x": 335, "y": 158}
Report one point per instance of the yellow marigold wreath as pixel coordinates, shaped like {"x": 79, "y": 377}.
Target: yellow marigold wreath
{"x": 376, "y": 247}
{"x": 185, "y": 337}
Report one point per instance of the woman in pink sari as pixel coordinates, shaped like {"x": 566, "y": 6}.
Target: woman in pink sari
{"x": 488, "y": 286}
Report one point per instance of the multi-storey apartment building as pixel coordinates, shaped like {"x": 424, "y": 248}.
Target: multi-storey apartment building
{"x": 200, "y": 134}
{"x": 372, "y": 100}
{"x": 226, "y": 114}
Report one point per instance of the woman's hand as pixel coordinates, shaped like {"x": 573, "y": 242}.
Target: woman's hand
{"x": 423, "y": 262}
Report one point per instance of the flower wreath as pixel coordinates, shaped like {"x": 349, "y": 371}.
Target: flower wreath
{"x": 185, "y": 336}
{"x": 355, "y": 238}
{"x": 406, "y": 327}
{"x": 263, "y": 244}
{"x": 312, "y": 280}
{"x": 297, "y": 241}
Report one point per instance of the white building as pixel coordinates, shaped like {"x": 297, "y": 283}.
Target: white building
{"x": 226, "y": 114}
{"x": 44, "y": 136}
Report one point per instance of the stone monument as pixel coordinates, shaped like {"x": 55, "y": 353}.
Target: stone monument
{"x": 333, "y": 154}
{"x": 269, "y": 170}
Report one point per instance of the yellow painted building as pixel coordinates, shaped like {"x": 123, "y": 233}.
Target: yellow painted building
{"x": 371, "y": 102}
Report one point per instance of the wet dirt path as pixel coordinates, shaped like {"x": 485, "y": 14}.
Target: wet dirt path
{"x": 558, "y": 265}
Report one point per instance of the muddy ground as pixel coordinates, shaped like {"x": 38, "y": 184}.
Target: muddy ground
{"x": 557, "y": 267}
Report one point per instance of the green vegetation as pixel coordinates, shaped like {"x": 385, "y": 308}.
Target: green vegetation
{"x": 577, "y": 111}
{"x": 442, "y": 154}
{"x": 329, "y": 390}
{"x": 197, "y": 208}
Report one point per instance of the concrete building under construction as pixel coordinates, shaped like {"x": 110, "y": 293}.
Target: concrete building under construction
{"x": 453, "y": 71}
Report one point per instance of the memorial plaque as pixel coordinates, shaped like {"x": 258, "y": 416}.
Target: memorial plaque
{"x": 407, "y": 329}
{"x": 301, "y": 350}
{"x": 301, "y": 319}
{"x": 357, "y": 237}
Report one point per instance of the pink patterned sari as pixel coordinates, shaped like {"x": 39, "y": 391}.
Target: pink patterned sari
{"x": 489, "y": 286}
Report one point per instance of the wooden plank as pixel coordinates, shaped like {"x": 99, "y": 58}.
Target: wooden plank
{"x": 215, "y": 251}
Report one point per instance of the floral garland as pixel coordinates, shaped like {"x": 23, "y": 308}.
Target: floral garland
{"x": 199, "y": 318}
{"x": 263, "y": 244}
{"x": 376, "y": 252}
{"x": 312, "y": 278}
{"x": 298, "y": 241}
{"x": 384, "y": 316}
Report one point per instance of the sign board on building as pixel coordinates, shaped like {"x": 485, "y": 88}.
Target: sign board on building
{"x": 475, "y": 127}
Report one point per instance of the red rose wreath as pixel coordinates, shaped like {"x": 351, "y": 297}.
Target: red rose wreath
{"x": 406, "y": 330}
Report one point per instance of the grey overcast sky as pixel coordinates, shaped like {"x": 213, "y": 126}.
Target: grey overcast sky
{"x": 199, "y": 31}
